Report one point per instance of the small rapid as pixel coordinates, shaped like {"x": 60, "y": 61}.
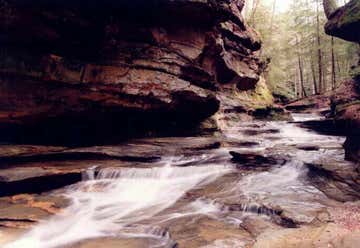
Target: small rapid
{"x": 144, "y": 202}
{"x": 114, "y": 199}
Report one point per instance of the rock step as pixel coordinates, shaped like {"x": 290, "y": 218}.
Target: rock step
{"x": 73, "y": 156}
{"x": 39, "y": 184}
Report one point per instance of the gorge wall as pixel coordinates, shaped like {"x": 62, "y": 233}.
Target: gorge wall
{"x": 122, "y": 66}
{"x": 345, "y": 24}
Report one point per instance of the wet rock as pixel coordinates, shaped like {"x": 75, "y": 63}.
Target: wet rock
{"x": 352, "y": 148}
{"x": 275, "y": 113}
{"x": 252, "y": 132}
{"x": 36, "y": 169}
{"x": 24, "y": 211}
{"x": 277, "y": 216}
{"x": 12, "y": 155}
{"x": 9, "y": 234}
{"x": 180, "y": 144}
{"x": 310, "y": 104}
{"x": 246, "y": 144}
{"x": 27, "y": 150}
{"x": 73, "y": 155}
{"x": 253, "y": 208}
{"x": 204, "y": 231}
{"x": 337, "y": 179}
{"x": 212, "y": 146}
{"x": 257, "y": 225}
{"x": 35, "y": 180}
{"x": 326, "y": 126}
{"x": 307, "y": 236}
{"x": 38, "y": 177}
{"x": 300, "y": 107}
{"x": 255, "y": 160}
{"x": 118, "y": 242}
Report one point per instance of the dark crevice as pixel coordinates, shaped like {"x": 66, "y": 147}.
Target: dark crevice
{"x": 17, "y": 220}
{"x": 39, "y": 185}
{"x": 73, "y": 156}
{"x": 327, "y": 127}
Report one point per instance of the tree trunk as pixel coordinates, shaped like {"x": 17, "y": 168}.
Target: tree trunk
{"x": 330, "y": 6}
{"x": 316, "y": 91}
{"x": 253, "y": 12}
{"x": 272, "y": 22}
{"x": 301, "y": 77}
{"x": 333, "y": 72}
{"x": 321, "y": 86}
{"x": 297, "y": 85}
{"x": 271, "y": 27}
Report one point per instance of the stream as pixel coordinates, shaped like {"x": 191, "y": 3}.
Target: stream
{"x": 198, "y": 199}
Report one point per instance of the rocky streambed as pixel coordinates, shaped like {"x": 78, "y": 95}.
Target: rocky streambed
{"x": 257, "y": 184}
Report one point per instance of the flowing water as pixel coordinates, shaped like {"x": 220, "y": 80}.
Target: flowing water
{"x": 152, "y": 202}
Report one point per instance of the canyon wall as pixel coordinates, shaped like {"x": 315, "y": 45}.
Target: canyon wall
{"x": 345, "y": 24}
{"x": 122, "y": 66}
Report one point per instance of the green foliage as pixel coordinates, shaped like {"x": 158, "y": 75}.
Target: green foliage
{"x": 260, "y": 97}
{"x": 291, "y": 36}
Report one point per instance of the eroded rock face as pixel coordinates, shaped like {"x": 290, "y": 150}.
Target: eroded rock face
{"x": 339, "y": 180}
{"x": 138, "y": 65}
{"x": 345, "y": 22}
{"x": 346, "y": 109}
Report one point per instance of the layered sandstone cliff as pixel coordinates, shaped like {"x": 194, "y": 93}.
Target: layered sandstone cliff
{"x": 345, "y": 23}
{"x": 122, "y": 65}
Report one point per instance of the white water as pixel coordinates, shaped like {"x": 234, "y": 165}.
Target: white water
{"x": 130, "y": 202}
{"x": 116, "y": 199}
{"x": 306, "y": 117}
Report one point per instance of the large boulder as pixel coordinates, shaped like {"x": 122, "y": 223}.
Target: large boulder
{"x": 345, "y": 22}
{"x": 128, "y": 66}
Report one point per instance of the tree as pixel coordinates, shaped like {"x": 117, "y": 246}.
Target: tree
{"x": 303, "y": 57}
{"x": 322, "y": 85}
{"x": 333, "y": 69}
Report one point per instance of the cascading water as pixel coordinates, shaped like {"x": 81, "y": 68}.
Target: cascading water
{"x": 140, "y": 202}
{"x": 114, "y": 200}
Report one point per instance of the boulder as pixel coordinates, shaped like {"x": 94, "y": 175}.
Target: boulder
{"x": 309, "y": 104}
{"x": 338, "y": 179}
{"x": 254, "y": 160}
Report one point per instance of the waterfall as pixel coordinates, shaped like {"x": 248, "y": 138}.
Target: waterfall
{"x": 110, "y": 201}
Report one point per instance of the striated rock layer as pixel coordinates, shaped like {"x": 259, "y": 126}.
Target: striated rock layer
{"x": 121, "y": 66}
{"x": 345, "y": 23}
{"x": 346, "y": 109}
